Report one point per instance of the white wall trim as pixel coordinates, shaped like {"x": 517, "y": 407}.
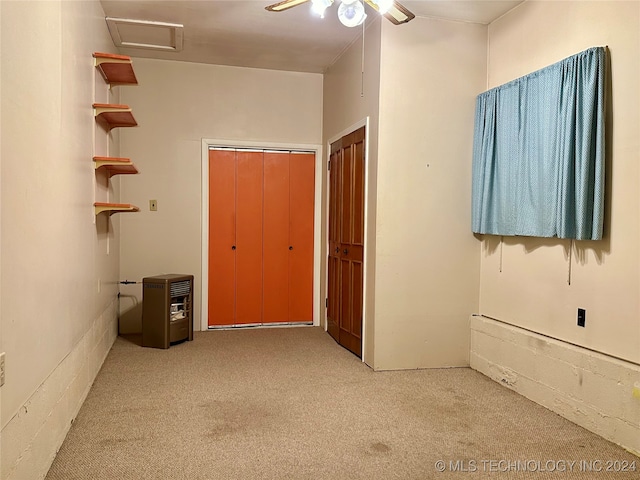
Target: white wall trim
{"x": 359, "y": 124}
{"x": 204, "y": 222}
{"x": 596, "y": 391}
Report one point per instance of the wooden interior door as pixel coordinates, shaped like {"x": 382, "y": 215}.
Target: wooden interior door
{"x": 346, "y": 241}
{"x": 333, "y": 266}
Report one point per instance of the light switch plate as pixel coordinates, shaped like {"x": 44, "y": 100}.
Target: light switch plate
{"x": 153, "y": 205}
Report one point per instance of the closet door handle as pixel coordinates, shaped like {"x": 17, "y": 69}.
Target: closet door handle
{"x": 345, "y": 251}
{"x": 233, "y": 247}
{"x": 337, "y": 249}
{"x": 290, "y": 247}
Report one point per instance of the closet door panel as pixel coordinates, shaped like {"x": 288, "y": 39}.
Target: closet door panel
{"x": 249, "y": 237}
{"x": 346, "y": 198}
{"x": 302, "y": 197}
{"x": 334, "y": 264}
{"x": 358, "y": 195}
{"x": 276, "y": 237}
{"x": 222, "y": 231}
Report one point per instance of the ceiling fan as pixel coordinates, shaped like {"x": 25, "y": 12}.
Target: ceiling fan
{"x": 351, "y": 12}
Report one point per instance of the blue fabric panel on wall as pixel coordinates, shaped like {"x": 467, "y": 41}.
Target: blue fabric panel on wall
{"x": 539, "y": 152}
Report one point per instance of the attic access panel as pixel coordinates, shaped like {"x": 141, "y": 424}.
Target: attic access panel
{"x": 125, "y": 32}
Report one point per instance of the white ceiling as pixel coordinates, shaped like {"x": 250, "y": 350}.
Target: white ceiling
{"x": 243, "y": 33}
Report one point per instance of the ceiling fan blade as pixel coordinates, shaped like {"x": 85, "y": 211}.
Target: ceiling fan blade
{"x": 285, "y": 5}
{"x": 397, "y": 14}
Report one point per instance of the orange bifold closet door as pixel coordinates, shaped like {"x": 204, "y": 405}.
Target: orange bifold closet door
{"x": 248, "y": 237}
{"x": 261, "y": 207}
{"x": 276, "y": 237}
{"x": 222, "y": 237}
{"x": 301, "y": 195}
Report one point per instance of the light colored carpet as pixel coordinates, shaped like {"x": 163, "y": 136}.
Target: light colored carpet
{"x": 292, "y": 404}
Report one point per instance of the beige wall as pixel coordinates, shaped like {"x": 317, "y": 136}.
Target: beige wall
{"x": 532, "y": 290}
{"x": 54, "y": 254}
{"x": 427, "y": 260}
{"x": 177, "y": 104}
{"x": 349, "y": 100}
{"x": 422, "y": 261}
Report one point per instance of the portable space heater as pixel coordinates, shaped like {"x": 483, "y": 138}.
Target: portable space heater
{"x": 167, "y": 310}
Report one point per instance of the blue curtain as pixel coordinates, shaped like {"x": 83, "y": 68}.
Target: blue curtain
{"x": 539, "y": 152}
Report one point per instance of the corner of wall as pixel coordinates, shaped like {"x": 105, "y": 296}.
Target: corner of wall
{"x": 41, "y": 425}
{"x": 593, "y": 390}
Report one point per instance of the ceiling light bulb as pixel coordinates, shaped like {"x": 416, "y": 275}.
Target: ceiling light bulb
{"x": 383, "y": 5}
{"x": 351, "y": 13}
{"x": 319, "y": 6}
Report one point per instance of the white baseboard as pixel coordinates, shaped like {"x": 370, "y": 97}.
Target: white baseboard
{"x": 34, "y": 435}
{"x": 595, "y": 391}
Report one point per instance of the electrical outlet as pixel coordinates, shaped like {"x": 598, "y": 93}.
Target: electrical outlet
{"x": 582, "y": 317}
{"x": 2, "y": 369}
{"x": 153, "y": 205}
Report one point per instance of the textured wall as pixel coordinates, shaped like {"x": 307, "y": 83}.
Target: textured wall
{"x": 599, "y": 393}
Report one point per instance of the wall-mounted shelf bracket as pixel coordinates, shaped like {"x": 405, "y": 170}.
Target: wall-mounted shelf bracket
{"x": 112, "y": 208}
{"x": 115, "y": 69}
{"x": 115, "y": 165}
{"x": 113, "y": 115}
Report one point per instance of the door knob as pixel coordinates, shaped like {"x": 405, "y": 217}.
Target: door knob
{"x": 345, "y": 251}
{"x": 233, "y": 247}
{"x": 337, "y": 249}
{"x": 290, "y": 247}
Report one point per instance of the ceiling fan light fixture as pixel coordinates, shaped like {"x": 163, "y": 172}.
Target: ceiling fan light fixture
{"x": 351, "y": 13}
{"x": 319, "y": 6}
{"x": 383, "y": 5}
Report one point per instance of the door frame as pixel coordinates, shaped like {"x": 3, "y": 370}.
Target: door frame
{"x": 352, "y": 128}
{"x": 204, "y": 222}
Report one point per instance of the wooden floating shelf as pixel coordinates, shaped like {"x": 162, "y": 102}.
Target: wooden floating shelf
{"x": 116, "y": 69}
{"x": 114, "y": 207}
{"x": 114, "y": 115}
{"x": 115, "y": 165}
